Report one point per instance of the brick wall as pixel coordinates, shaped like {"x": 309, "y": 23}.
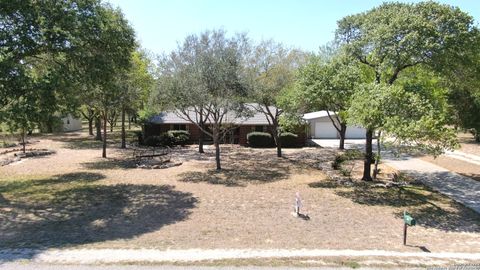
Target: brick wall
{"x": 157, "y": 129}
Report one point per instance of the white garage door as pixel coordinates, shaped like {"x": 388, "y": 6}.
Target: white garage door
{"x": 355, "y": 133}
{"x": 325, "y": 130}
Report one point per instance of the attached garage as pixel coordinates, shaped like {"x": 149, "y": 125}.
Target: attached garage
{"x": 355, "y": 133}
{"x": 324, "y": 130}
{"x": 321, "y": 127}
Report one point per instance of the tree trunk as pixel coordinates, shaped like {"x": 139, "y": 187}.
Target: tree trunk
{"x": 90, "y": 126}
{"x": 377, "y": 158}
{"x": 343, "y": 131}
{"x": 123, "y": 129}
{"x": 98, "y": 127}
{"x": 200, "y": 140}
{"x": 104, "y": 151}
{"x": 278, "y": 142}
{"x": 23, "y": 140}
{"x": 129, "y": 122}
{"x": 217, "y": 149}
{"x": 367, "y": 165}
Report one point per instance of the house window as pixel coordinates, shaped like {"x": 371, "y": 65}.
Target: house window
{"x": 179, "y": 127}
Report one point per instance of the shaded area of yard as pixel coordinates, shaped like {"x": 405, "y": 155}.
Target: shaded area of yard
{"x": 431, "y": 209}
{"x": 243, "y": 166}
{"x": 72, "y": 209}
{"x": 110, "y": 164}
{"x": 82, "y": 143}
{"x": 74, "y": 141}
{"x": 236, "y": 177}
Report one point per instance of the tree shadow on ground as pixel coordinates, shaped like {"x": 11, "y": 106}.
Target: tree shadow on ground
{"x": 110, "y": 164}
{"x": 68, "y": 210}
{"x": 474, "y": 176}
{"x": 243, "y": 166}
{"x": 236, "y": 177}
{"x": 431, "y": 209}
{"x": 80, "y": 143}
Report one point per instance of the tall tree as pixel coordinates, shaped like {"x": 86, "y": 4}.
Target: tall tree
{"x": 397, "y": 36}
{"x": 135, "y": 86}
{"x": 272, "y": 68}
{"x": 51, "y": 46}
{"x": 204, "y": 81}
{"x": 328, "y": 84}
{"x": 112, "y": 47}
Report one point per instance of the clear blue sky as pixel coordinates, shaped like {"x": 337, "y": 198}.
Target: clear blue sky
{"x": 303, "y": 24}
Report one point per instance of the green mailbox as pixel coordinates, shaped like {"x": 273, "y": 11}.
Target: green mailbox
{"x": 409, "y": 220}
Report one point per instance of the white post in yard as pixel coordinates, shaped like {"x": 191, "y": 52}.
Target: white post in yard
{"x": 298, "y": 203}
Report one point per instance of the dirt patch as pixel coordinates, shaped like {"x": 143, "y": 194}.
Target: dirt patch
{"x": 468, "y": 144}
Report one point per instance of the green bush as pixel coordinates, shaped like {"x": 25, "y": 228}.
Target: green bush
{"x": 181, "y": 137}
{"x": 352, "y": 154}
{"x": 139, "y": 135}
{"x": 164, "y": 139}
{"x": 289, "y": 140}
{"x": 260, "y": 139}
{"x": 152, "y": 141}
{"x": 337, "y": 162}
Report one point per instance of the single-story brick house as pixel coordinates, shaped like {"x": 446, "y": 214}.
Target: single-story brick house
{"x": 171, "y": 120}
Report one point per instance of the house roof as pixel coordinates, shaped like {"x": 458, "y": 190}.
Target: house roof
{"x": 175, "y": 117}
{"x": 315, "y": 115}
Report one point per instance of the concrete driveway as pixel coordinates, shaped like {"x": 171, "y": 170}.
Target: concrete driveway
{"x": 458, "y": 187}
{"x": 349, "y": 143}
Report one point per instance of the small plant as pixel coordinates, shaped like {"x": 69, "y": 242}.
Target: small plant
{"x": 345, "y": 172}
{"x": 352, "y": 264}
{"x": 352, "y": 154}
{"x": 152, "y": 141}
{"x": 260, "y": 139}
{"x": 337, "y": 162}
{"x": 6, "y": 144}
{"x": 181, "y": 137}
{"x": 289, "y": 140}
{"x": 139, "y": 135}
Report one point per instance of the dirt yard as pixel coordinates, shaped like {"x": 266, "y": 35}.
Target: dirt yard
{"x": 468, "y": 144}
{"x": 74, "y": 198}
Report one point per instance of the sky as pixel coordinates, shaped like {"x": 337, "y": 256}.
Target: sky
{"x": 302, "y": 24}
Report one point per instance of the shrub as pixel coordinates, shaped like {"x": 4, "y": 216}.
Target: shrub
{"x": 164, "y": 139}
{"x": 352, "y": 154}
{"x": 337, "y": 162}
{"x": 152, "y": 141}
{"x": 260, "y": 139}
{"x": 181, "y": 137}
{"x": 289, "y": 140}
{"x": 345, "y": 172}
{"x": 139, "y": 135}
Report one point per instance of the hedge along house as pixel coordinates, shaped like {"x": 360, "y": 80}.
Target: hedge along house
{"x": 239, "y": 127}
{"x": 321, "y": 127}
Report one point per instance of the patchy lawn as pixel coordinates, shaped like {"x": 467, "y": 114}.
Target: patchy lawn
{"x": 77, "y": 199}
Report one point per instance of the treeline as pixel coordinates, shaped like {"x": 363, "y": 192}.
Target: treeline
{"x": 402, "y": 71}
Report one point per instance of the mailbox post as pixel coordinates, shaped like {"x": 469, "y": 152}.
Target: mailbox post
{"x": 408, "y": 220}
